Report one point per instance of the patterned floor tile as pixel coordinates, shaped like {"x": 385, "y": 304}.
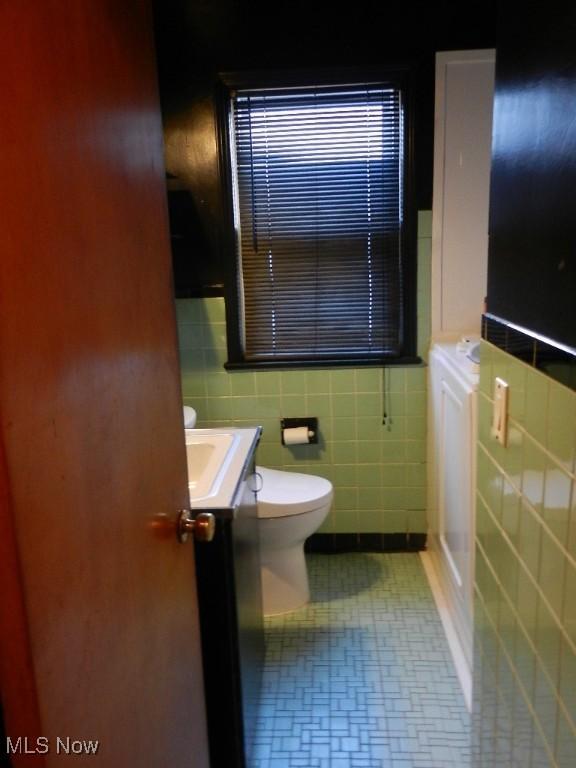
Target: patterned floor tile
{"x": 362, "y": 676}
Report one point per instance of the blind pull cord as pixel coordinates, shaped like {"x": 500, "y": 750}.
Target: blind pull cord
{"x": 386, "y": 415}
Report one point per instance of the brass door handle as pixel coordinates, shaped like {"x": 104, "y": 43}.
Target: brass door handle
{"x": 202, "y": 527}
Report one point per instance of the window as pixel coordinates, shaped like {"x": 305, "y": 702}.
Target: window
{"x": 323, "y": 251}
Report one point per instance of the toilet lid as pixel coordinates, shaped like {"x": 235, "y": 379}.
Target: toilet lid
{"x": 291, "y": 493}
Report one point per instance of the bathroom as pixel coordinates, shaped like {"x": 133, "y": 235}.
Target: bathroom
{"x": 379, "y": 466}
{"x": 373, "y": 425}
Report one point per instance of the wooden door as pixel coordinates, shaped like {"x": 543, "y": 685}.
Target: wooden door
{"x": 99, "y": 632}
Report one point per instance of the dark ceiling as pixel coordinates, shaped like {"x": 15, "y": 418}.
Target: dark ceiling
{"x": 198, "y": 37}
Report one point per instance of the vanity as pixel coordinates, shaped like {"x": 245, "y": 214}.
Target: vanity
{"x": 221, "y": 481}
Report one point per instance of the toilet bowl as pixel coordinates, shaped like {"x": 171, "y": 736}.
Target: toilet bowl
{"x": 291, "y": 507}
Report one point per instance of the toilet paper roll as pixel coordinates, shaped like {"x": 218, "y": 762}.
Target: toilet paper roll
{"x": 297, "y": 436}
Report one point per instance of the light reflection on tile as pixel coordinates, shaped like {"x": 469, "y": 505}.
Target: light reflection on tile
{"x": 536, "y": 519}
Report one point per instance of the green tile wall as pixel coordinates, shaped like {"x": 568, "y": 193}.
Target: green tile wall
{"x": 524, "y": 708}
{"x": 378, "y": 471}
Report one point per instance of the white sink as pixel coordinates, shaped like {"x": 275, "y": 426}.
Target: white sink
{"x": 206, "y": 458}
{"x": 216, "y": 459}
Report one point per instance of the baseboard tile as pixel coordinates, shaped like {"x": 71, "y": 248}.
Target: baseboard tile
{"x": 333, "y": 543}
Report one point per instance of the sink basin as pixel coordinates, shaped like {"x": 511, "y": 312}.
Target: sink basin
{"x": 216, "y": 460}
{"x": 206, "y": 458}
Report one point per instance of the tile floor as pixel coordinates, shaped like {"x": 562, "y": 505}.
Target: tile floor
{"x": 362, "y": 676}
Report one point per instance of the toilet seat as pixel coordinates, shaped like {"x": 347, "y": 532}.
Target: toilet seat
{"x": 290, "y": 493}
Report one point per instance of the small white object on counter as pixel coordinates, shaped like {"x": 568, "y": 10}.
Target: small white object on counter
{"x": 463, "y": 365}
{"x": 189, "y": 417}
{"x": 465, "y": 343}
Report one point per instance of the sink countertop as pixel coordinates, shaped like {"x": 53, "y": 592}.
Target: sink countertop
{"x": 459, "y": 361}
{"x": 235, "y": 448}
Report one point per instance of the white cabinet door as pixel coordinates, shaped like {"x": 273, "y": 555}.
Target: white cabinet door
{"x": 451, "y": 454}
{"x": 455, "y": 488}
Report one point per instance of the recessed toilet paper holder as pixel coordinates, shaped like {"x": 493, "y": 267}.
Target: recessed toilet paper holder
{"x": 311, "y": 423}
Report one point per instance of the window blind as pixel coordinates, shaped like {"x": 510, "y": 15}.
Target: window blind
{"x": 318, "y": 178}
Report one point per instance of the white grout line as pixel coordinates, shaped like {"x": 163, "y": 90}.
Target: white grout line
{"x": 462, "y": 670}
{"x": 525, "y": 501}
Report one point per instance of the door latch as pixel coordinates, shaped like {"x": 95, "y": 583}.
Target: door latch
{"x": 202, "y": 527}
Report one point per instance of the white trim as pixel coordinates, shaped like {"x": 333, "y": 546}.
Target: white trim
{"x": 446, "y": 226}
{"x": 462, "y": 669}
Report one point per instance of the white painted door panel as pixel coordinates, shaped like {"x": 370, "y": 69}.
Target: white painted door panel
{"x": 455, "y": 516}
{"x": 462, "y": 153}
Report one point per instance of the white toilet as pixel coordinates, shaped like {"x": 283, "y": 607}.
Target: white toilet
{"x": 291, "y": 507}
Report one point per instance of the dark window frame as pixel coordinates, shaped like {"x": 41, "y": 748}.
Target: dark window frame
{"x": 401, "y": 74}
